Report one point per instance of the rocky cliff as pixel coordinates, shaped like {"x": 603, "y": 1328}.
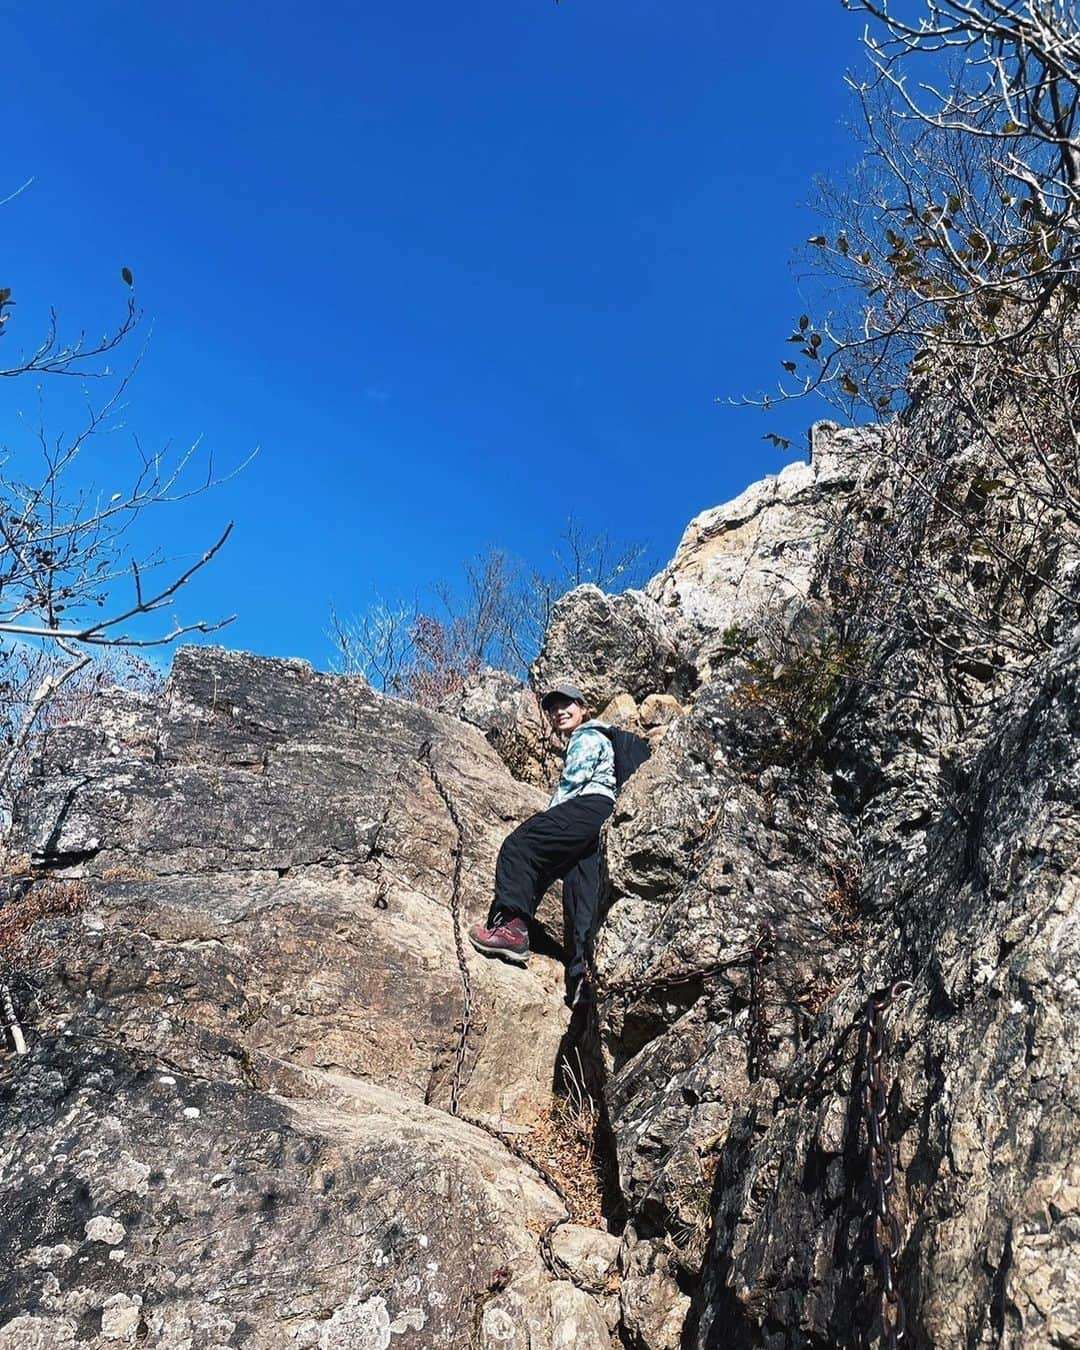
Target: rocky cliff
{"x": 256, "y": 1042}
{"x": 270, "y": 1100}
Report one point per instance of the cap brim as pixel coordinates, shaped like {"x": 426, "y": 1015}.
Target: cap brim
{"x": 562, "y": 691}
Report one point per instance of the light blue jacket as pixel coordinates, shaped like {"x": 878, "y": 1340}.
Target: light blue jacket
{"x": 589, "y": 766}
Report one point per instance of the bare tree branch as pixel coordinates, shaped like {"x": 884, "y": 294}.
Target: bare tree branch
{"x": 64, "y": 551}
{"x": 41, "y": 696}
{"x": 496, "y": 618}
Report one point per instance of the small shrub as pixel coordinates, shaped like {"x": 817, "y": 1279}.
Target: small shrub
{"x": 46, "y": 900}
{"x": 127, "y": 874}
{"x": 28, "y": 948}
{"x": 566, "y": 1142}
{"x": 795, "y": 690}
{"x": 693, "y": 1203}
{"x": 735, "y": 640}
{"x": 15, "y": 864}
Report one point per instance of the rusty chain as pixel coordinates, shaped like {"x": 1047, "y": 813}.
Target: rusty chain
{"x": 558, "y": 1267}
{"x": 798, "y": 1087}
{"x": 873, "y": 1091}
{"x": 554, "y": 1263}
{"x": 871, "y": 1082}
{"x": 512, "y": 1146}
{"x": 755, "y": 958}
{"x": 871, "y": 1086}
{"x": 757, "y": 1026}
{"x": 561, "y": 1270}
{"x": 424, "y": 757}
{"x": 628, "y": 990}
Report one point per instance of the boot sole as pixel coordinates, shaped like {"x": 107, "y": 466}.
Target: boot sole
{"x": 516, "y": 958}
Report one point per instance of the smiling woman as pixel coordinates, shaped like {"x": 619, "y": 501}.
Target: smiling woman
{"x": 559, "y": 843}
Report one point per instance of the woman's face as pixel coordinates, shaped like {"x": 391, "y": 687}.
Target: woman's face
{"x": 566, "y": 714}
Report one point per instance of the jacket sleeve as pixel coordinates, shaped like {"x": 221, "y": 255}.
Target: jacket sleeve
{"x": 583, "y": 756}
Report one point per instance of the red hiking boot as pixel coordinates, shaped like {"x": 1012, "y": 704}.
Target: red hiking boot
{"x": 508, "y": 937}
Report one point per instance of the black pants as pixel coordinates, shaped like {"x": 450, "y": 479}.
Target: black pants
{"x": 562, "y": 841}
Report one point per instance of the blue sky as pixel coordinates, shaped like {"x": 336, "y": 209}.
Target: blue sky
{"x": 458, "y": 270}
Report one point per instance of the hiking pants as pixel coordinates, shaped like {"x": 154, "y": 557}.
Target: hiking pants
{"x": 562, "y": 841}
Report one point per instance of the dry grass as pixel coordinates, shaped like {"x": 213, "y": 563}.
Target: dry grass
{"x": 842, "y": 901}
{"x": 127, "y": 874}
{"x": 565, "y": 1142}
{"x": 816, "y": 994}
{"x": 15, "y": 864}
{"x": 844, "y": 927}
{"x": 46, "y": 900}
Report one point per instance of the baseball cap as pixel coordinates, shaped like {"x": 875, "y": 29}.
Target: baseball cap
{"x": 565, "y": 691}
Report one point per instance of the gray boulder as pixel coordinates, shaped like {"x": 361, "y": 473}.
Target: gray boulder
{"x": 607, "y": 645}
{"x": 509, "y": 715}
{"x": 758, "y": 555}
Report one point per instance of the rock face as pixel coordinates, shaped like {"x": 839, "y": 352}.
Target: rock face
{"x": 985, "y": 1095}
{"x": 606, "y": 645}
{"x": 761, "y": 1190}
{"x": 234, "y": 1125}
{"x": 916, "y": 822}
{"x": 752, "y": 559}
{"x": 855, "y": 845}
{"x": 758, "y": 555}
{"x": 513, "y": 723}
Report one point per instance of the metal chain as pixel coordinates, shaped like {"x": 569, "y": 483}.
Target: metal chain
{"x": 873, "y": 1089}
{"x": 555, "y": 1264}
{"x": 558, "y": 1267}
{"x": 757, "y": 1029}
{"x": 800, "y": 1086}
{"x": 757, "y": 1056}
{"x": 561, "y": 1270}
{"x": 511, "y": 1145}
{"x": 755, "y": 957}
{"x": 647, "y": 984}
{"x": 424, "y": 757}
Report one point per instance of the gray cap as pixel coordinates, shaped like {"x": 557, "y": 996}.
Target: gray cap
{"x": 567, "y": 691}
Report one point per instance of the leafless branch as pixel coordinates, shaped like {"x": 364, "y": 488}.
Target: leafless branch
{"x": 496, "y": 617}
{"x": 64, "y": 551}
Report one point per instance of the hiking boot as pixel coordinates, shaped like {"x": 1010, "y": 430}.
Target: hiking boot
{"x": 508, "y": 937}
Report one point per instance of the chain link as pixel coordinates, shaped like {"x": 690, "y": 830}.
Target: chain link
{"x": 424, "y": 757}
{"x": 561, "y": 1270}
{"x": 558, "y": 1267}
{"x": 756, "y": 958}
{"x": 757, "y": 1026}
{"x": 555, "y": 1264}
{"x": 635, "y": 986}
{"x": 630, "y": 990}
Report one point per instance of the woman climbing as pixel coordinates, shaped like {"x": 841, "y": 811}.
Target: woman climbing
{"x": 562, "y": 841}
